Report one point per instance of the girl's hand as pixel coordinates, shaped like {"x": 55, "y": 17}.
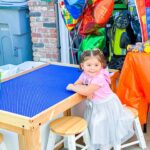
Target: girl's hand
{"x": 70, "y": 86}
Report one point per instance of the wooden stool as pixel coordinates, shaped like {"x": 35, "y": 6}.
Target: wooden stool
{"x": 137, "y": 126}
{"x": 68, "y": 127}
{"x": 2, "y": 144}
{"x": 138, "y": 132}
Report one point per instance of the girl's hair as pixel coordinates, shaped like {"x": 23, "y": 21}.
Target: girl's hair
{"x": 96, "y": 53}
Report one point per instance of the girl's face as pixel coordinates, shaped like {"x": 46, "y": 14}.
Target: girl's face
{"x": 91, "y": 66}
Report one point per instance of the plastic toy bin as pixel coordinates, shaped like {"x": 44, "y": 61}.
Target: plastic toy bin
{"x": 15, "y": 35}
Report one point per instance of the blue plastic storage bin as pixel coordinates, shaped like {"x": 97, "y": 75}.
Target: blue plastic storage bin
{"x": 15, "y": 35}
{"x": 13, "y": 1}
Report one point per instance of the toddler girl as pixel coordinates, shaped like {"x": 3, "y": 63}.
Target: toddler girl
{"x": 109, "y": 122}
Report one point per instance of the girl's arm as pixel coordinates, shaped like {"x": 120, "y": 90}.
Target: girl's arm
{"x": 86, "y": 90}
{"x": 78, "y": 82}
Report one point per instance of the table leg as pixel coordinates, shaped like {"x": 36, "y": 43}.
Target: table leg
{"x": 32, "y": 139}
{"x": 21, "y": 141}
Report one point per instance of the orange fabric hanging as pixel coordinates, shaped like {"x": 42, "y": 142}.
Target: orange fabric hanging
{"x": 134, "y": 83}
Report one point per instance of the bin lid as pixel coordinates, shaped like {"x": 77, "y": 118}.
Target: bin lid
{"x": 13, "y": 1}
{"x": 9, "y": 5}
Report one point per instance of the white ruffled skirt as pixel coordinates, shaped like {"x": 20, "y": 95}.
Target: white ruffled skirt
{"x": 109, "y": 122}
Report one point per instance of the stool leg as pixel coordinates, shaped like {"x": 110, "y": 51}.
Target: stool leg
{"x": 139, "y": 133}
{"x": 51, "y": 141}
{"x": 105, "y": 148}
{"x": 117, "y": 147}
{"x": 71, "y": 142}
{"x": 65, "y": 142}
{"x": 3, "y": 146}
{"x": 86, "y": 138}
{"x": 92, "y": 147}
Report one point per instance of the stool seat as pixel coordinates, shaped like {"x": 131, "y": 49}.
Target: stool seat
{"x": 70, "y": 128}
{"x": 68, "y": 125}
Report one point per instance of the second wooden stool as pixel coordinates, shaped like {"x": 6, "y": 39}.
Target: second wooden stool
{"x": 138, "y": 132}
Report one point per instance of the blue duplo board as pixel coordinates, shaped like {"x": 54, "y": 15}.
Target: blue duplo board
{"x": 34, "y": 92}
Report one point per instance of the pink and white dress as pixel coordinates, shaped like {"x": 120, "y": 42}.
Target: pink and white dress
{"x": 109, "y": 122}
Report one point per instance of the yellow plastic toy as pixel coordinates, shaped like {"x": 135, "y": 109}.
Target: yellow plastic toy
{"x": 147, "y": 43}
{"x": 147, "y": 49}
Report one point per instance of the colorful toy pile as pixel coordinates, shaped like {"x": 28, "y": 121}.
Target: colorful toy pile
{"x": 91, "y": 14}
{"x": 140, "y": 47}
{"x": 90, "y": 17}
{"x": 94, "y": 14}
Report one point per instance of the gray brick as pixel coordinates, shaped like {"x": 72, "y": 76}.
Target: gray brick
{"x": 35, "y": 14}
{"x": 49, "y": 25}
{"x": 39, "y": 45}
